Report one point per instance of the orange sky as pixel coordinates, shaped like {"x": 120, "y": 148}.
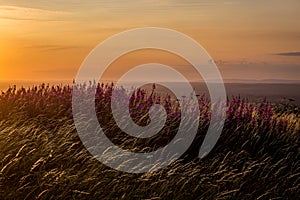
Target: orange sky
{"x": 248, "y": 39}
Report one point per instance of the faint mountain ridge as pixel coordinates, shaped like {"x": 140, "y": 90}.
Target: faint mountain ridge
{"x": 262, "y": 81}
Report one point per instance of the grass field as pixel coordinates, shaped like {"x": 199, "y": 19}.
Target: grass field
{"x": 42, "y": 157}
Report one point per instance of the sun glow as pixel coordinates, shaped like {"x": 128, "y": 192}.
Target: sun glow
{"x": 49, "y": 41}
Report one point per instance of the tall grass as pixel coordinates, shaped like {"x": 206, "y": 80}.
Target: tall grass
{"x": 42, "y": 157}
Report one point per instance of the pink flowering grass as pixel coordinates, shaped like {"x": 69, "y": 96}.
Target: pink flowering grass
{"x": 42, "y": 157}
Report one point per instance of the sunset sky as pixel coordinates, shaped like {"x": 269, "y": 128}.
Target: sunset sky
{"x": 48, "y": 40}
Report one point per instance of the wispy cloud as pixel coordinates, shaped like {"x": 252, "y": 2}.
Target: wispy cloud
{"x": 53, "y": 47}
{"x": 297, "y": 53}
{"x": 27, "y": 13}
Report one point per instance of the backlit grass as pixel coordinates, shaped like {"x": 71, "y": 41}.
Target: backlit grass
{"x": 42, "y": 157}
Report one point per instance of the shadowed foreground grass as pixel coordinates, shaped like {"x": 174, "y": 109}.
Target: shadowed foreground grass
{"x": 42, "y": 157}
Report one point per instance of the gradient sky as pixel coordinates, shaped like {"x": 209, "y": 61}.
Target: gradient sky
{"x": 247, "y": 39}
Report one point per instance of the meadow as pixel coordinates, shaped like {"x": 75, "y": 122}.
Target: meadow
{"x": 42, "y": 157}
